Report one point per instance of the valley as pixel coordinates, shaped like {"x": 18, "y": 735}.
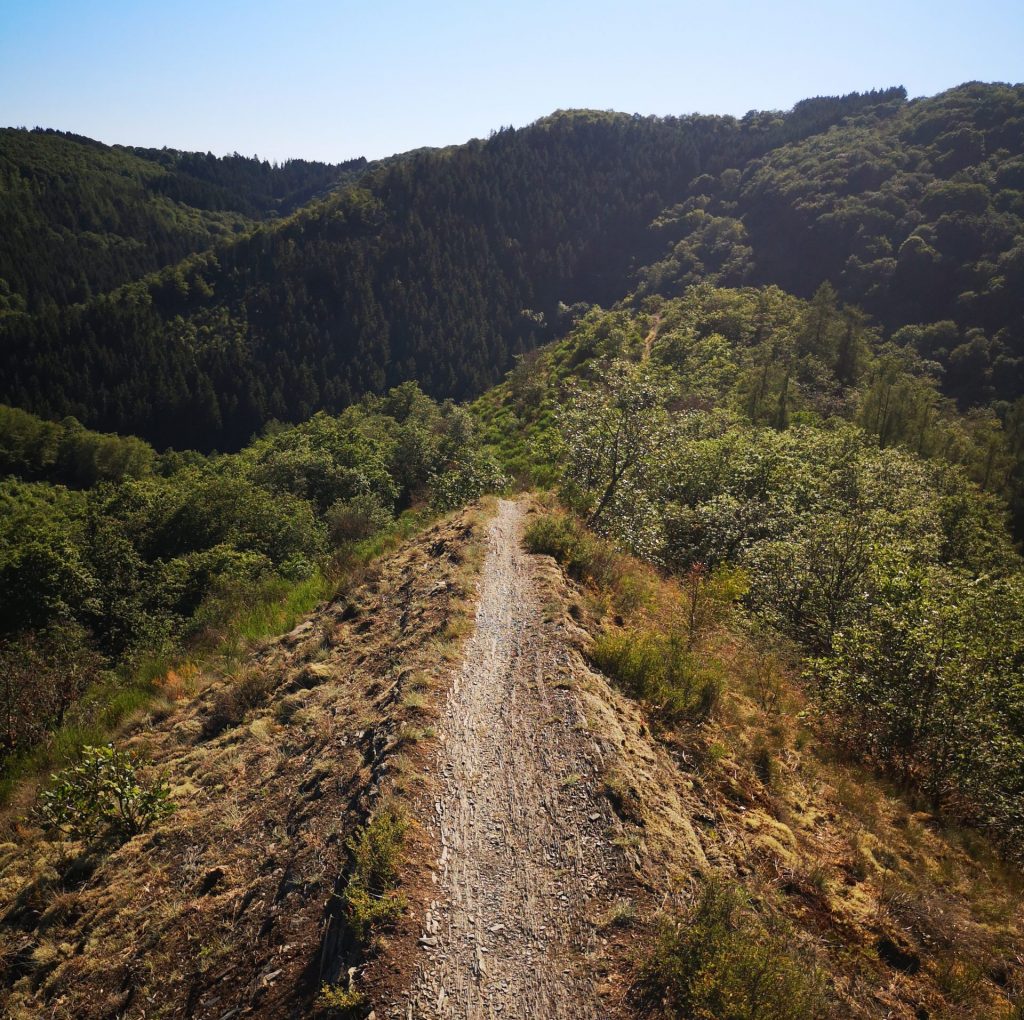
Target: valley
{"x": 572, "y": 574}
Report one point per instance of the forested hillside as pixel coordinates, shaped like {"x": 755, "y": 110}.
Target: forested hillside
{"x": 439, "y": 267}
{"x": 133, "y": 558}
{"x": 748, "y": 439}
{"x": 749, "y": 617}
{"x": 78, "y": 218}
{"x": 442, "y": 266}
{"x": 914, "y": 212}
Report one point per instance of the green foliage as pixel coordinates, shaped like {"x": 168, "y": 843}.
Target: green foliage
{"x": 613, "y": 436}
{"x": 67, "y": 453}
{"x": 370, "y": 898}
{"x": 585, "y": 556}
{"x": 557, "y": 535}
{"x": 357, "y": 518}
{"x": 465, "y": 480}
{"x": 904, "y": 208}
{"x": 340, "y": 1002}
{"x": 902, "y": 215}
{"x": 440, "y": 266}
{"x": 104, "y": 797}
{"x": 330, "y": 459}
{"x": 928, "y": 685}
{"x": 724, "y": 961}
{"x": 852, "y": 525}
{"x": 202, "y": 552}
{"x": 42, "y": 675}
{"x": 661, "y": 670}
{"x": 78, "y": 217}
{"x": 713, "y": 249}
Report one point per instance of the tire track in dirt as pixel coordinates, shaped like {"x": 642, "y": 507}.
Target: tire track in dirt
{"x": 522, "y": 839}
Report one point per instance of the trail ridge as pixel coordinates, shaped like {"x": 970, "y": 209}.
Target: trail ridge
{"x": 523, "y": 841}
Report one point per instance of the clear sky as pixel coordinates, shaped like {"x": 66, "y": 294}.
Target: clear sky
{"x": 332, "y": 79}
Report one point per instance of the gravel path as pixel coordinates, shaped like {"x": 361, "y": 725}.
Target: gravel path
{"x": 522, "y": 839}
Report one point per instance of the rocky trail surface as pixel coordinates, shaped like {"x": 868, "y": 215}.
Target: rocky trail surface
{"x": 523, "y": 852}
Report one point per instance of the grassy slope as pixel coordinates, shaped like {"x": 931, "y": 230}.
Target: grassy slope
{"x": 233, "y": 630}
{"x": 900, "y": 911}
{"x": 272, "y": 768}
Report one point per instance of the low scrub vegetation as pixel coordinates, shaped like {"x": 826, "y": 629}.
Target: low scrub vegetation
{"x": 238, "y": 697}
{"x": 591, "y": 559}
{"x": 340, "y": 1003}
{"x": 105, "y": 587}
{"x": 877, "y": 550}
{"x": 371, "y": 896}
{"x": 661, "y": 670}
{"x": 104, "y": 798}
{"x": 583, "y": 554}
{"x": 722, "y": 960}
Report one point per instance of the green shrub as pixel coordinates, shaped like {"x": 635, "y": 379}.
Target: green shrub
{"x": 634, "y": 587}
{"x": 659, "y": 669}
{"x": 584, "y": 556}
{"x": 340, "y": 1002}
{"x": 722, "y": 961}
{"x": 370, "y": 897}
{"x": 352, "y": 520}
{"x": 633, "y": 659}
{"x": 469, "y": 478}
{"x": 554, "y": 535}
{"x": 104, "y": 797}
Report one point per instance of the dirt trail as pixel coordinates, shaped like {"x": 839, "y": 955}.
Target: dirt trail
{"x": 652, "y": 335}
{"x": 523, "y": 841}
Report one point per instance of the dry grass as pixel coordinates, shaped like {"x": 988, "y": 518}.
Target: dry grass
{"x": 822, "y": 845}
{"x": 322, "y": 724}
{"x": 272, "y": 768}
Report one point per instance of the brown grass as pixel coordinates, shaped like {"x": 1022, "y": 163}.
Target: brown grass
{"x": 821, "y": 844}
{"x": 272, "y": 769}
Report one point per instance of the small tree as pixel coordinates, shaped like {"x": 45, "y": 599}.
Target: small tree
{"x": 614, "y": 440}
{"x": 103, "y": 797}
{"x": 465, "y": 480}
{"x": 42, "y": 675}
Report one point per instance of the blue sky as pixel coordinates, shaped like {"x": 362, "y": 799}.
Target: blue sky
{"x": 332, "y": 80}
